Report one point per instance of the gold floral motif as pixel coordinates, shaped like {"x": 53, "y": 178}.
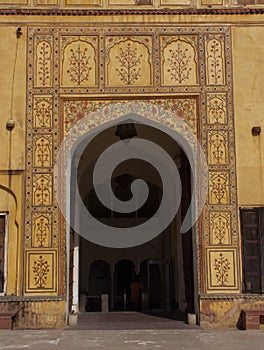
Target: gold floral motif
{"x": 219, "y": 187}
{"x": 128, "y": 62}
{"x": 220, "y": 227}
{"x": 222, "y": 269}
{"x": 179, "y": 60}
{"x": 218, "y": 147}
{"x": 215, "y": 60}
{"x": 222, "y": 273}
{"x": 41, "y": 276}
{"x": 41, "y": 230}
{"x": 216, "y": 108}
{"x": 43, "y": 151}
{"x": 42, "y": 112}
{"x": 43, "y": 62}
{"x": 40, "y": 270}
{"x": 42, "y": 189}
{"x": 129, "y": 70}
{"x": 78, "y": 60}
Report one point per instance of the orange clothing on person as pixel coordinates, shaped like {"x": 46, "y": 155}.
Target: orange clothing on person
{"x": 135, "y": 290}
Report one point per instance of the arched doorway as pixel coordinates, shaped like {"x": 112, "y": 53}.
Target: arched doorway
{"x": 169, "y": 246}
{"x": 99, "y": 283}
{"x": 123, "y": 276}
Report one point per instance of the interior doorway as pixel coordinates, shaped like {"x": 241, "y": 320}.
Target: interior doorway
{"x": 124, "y": 275}
{"x": 164, "y": 264}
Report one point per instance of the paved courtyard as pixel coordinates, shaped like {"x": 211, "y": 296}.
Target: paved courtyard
{"x": 132, "y": 339}
{"x": 121, "y": 331}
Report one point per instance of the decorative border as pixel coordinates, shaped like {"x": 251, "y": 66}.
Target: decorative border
{"x": 113, "y": 12}
{"x": 52, "y": 97}
{"x": 221, "y": 269}
{"x": 41, "y": 272}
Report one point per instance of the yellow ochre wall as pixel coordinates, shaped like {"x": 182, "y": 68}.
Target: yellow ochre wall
{"x": 12, "y": 146}
{"x": 248, "y": 70}
{"x": 248, "y": 87}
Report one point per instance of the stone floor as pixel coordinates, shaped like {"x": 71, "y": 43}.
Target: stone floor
{"x": 132, "y": 331}
{"x": 130, "y": 320}
{"x": 132, "y": 340}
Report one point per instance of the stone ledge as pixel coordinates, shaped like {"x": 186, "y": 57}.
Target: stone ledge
{"x": 110, "y": 12}
{"x": 4, "y": 299}
{"x": 231, "y": 296}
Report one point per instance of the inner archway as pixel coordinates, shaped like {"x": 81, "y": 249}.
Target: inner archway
{"x": 164, "y": 264}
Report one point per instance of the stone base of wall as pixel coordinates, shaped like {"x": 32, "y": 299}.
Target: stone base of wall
{"x": 216, "y": 312}
{"x": 36, "y": 314}
{"x": 221, "y": 312}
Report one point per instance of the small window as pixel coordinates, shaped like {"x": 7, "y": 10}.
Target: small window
{"x": 252, "y": 228}
{"x": 3, "y": 238}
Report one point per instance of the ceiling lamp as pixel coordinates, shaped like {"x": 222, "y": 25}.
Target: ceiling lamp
{"x": 126, "y": 131}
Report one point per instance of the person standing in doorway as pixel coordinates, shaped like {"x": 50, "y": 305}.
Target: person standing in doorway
{"x": 135, "y": 295}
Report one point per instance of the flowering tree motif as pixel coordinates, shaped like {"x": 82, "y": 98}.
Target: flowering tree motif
{"x": 40, "y": 270}
{"x": 42, "y": 112}
{"x": 43, "y": 63}
{"x": 43, "y": 152}
{"x": 42, "y": 190}
{"x": 129, "y": 60}
{"x": 79, "y": 70}
{"x": 222, "y": 267}
{"x": 218, "y": 152}
{"x": 218, "y": 148}
{"x": 41, "y": 230}
{"x": 220, "y": 227}
{"x": 215, "y": 61}
{"x": 219, "y": 185}
{"x": 217, "y": 109}
{"x": 179, "y": 64}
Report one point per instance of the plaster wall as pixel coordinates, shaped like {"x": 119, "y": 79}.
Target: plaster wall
{"x": 12, "y": 147}
{"x": 248, "y": 85}
{"x": 248, "y": 66}
{"x": 12, "y": 97}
